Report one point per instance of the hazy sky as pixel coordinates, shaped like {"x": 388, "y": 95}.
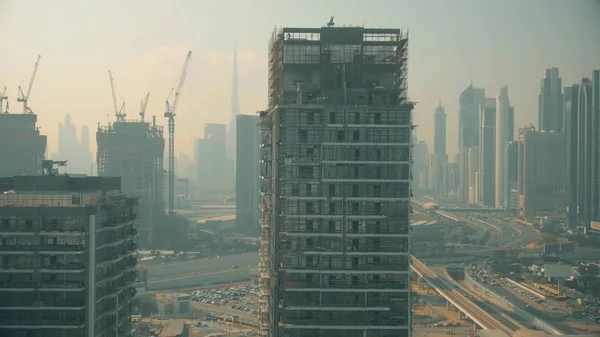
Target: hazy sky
{"x": 493, "y": 43}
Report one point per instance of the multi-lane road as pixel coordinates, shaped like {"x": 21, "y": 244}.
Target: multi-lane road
{"x": 449, "y": 290}
{"x": 198, "y": 272}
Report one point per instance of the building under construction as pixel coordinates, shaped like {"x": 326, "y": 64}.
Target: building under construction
{"x": 22, "y": 147}
{"x": 134, "y": 151}
{"x": 336, "y": 184}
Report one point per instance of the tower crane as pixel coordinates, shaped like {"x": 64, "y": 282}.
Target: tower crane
{"x": 143, "y": 105}
{"x": 170, "y": 114}
{"x": 25, "y": 97}
{"x": 119, "y": 113}
{"x": 3, "y": 98}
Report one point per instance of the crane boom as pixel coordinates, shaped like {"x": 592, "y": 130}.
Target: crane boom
{"x": 170, "y": 114}
{"x": 119, "y": 113}
{"x": 25, "y": 97}
{"x": 143, "y": 105}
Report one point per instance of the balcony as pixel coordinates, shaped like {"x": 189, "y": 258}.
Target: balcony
{"x": 49, "y": 248}
{"x": 77, "y": 267}
{"x": 345, "y": 285}
{"x": 37, "y": 323}
{"x": 37, "y": 305}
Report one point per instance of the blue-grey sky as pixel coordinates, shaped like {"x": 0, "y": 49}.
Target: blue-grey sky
{"x": 492, "y": 43}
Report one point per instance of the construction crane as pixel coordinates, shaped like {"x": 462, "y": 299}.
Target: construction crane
{"x": 170, "y": 114}
{"x": 3, "y": 98}
{"x": 24, "y": 98}
{"x": 143, "y": 104}
{"x": 120, "y": 113}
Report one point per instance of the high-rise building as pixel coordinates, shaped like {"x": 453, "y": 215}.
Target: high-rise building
{"x": 420, "y": 166}
{"x": 511, "y": 175}
{"x": 235, "y": 111}
{"x": 585, "y": 109}
{"x": 336, "y": 176}
{"x": 67, "y": 264}
{"x": 487, "y": 153}
{"x": 502, "y": 129}
{"x": 511, "y": 124}
{"x": 22, "y": 147}
{"x": 469, "y": 103}
{"x": 133, "y": 150}
{"x": 473, "y": 156}
{"x": 439, "y": 148}
{"x": 214, "y": 168}
{"x": 70, "y": 147}
{"x": 541, "y": 174}
{"x": 571, "y": 132}
{"x": 247, "y": 191}
{"x": 550, "y": 102}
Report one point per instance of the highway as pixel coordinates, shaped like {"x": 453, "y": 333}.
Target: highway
{"x": 448, "y": 290}
{"x": 521, "y": 304}
{"x": 197, "y": 272}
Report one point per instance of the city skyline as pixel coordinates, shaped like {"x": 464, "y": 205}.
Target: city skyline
{"x": 153, "y": 64}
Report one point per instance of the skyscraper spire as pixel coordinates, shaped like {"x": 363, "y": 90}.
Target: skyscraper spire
{"x": 235, "y": 104}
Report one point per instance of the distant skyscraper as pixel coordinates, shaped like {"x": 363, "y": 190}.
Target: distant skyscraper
{"x": 473, "y": 157}
{"x": 468, "y": 132}
{"x": 439, "y": 147}
{"x": 571, "y": 128}
{"x": 247, "y": 191}
{"x": 502, "y": 129}
{"x": 235, "y": 110}
{"x": 214, "y": 169}
{"x": 511, "y": 124}
{"x": 587, "y": 167}
{"x": 511, "y": 175}
{"x": 550, "y": 102}
{"x": 541, "y": 173}
{"x": 487, "y": 153}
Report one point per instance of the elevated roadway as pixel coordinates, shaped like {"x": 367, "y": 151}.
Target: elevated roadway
{"x": 447, "y": 290}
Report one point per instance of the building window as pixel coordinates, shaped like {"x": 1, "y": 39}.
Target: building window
{"x": 355, "y": 227}
{"x": 332, "y": 190}
{"x": 331, "y": 226}
{"x": 332, "y": 118}
{"x": 377, "y": 118}
{"x": 310, "y": 117}
{"x": 331, "y": 208}
{"x": 377, "y": 191}
{"x": 356, "y": 136}
{"x": 303, "y": 135}
{"x": 355, "y": 190}
{"x": 340, "y": 136}
{"x": 309, "y": 226}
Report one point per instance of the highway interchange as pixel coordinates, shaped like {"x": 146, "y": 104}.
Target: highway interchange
{"x": 505, "y": 234}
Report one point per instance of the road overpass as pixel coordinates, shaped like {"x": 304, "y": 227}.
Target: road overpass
{"x": 454, "y": 297}
{"x": 472, "y": 209}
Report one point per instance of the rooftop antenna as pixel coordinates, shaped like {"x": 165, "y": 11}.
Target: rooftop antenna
{"x": 331, "y": 23}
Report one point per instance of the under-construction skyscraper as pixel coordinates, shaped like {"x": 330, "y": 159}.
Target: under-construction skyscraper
{"x": 336, "y": 184}
{"x": 22, "y": 147}
{"x": 134, "y": 150}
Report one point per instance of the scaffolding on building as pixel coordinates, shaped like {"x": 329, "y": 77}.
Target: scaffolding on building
{"x": 267, "y": 267}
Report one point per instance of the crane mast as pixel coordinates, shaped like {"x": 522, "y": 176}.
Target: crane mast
{"x": 143, "y": 105}
{"x": 24, "y": 98}
{"x": 170, "y": 115}
{"x": 3, "y": 98}
{"x": 119, "y": 113}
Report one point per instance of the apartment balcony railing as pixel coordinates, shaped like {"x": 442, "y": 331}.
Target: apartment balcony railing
{"x": 7, "y": 305}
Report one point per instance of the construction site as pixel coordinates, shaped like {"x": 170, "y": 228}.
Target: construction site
{"x": 134, "y": 150}
{"x": 22, "y": 146}
{"x": 336, "y": 184}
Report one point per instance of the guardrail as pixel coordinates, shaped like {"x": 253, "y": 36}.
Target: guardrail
{"x": 534, "y": 293}
{"x": 534, "y": 320}
{"x": 478, "y": 315}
